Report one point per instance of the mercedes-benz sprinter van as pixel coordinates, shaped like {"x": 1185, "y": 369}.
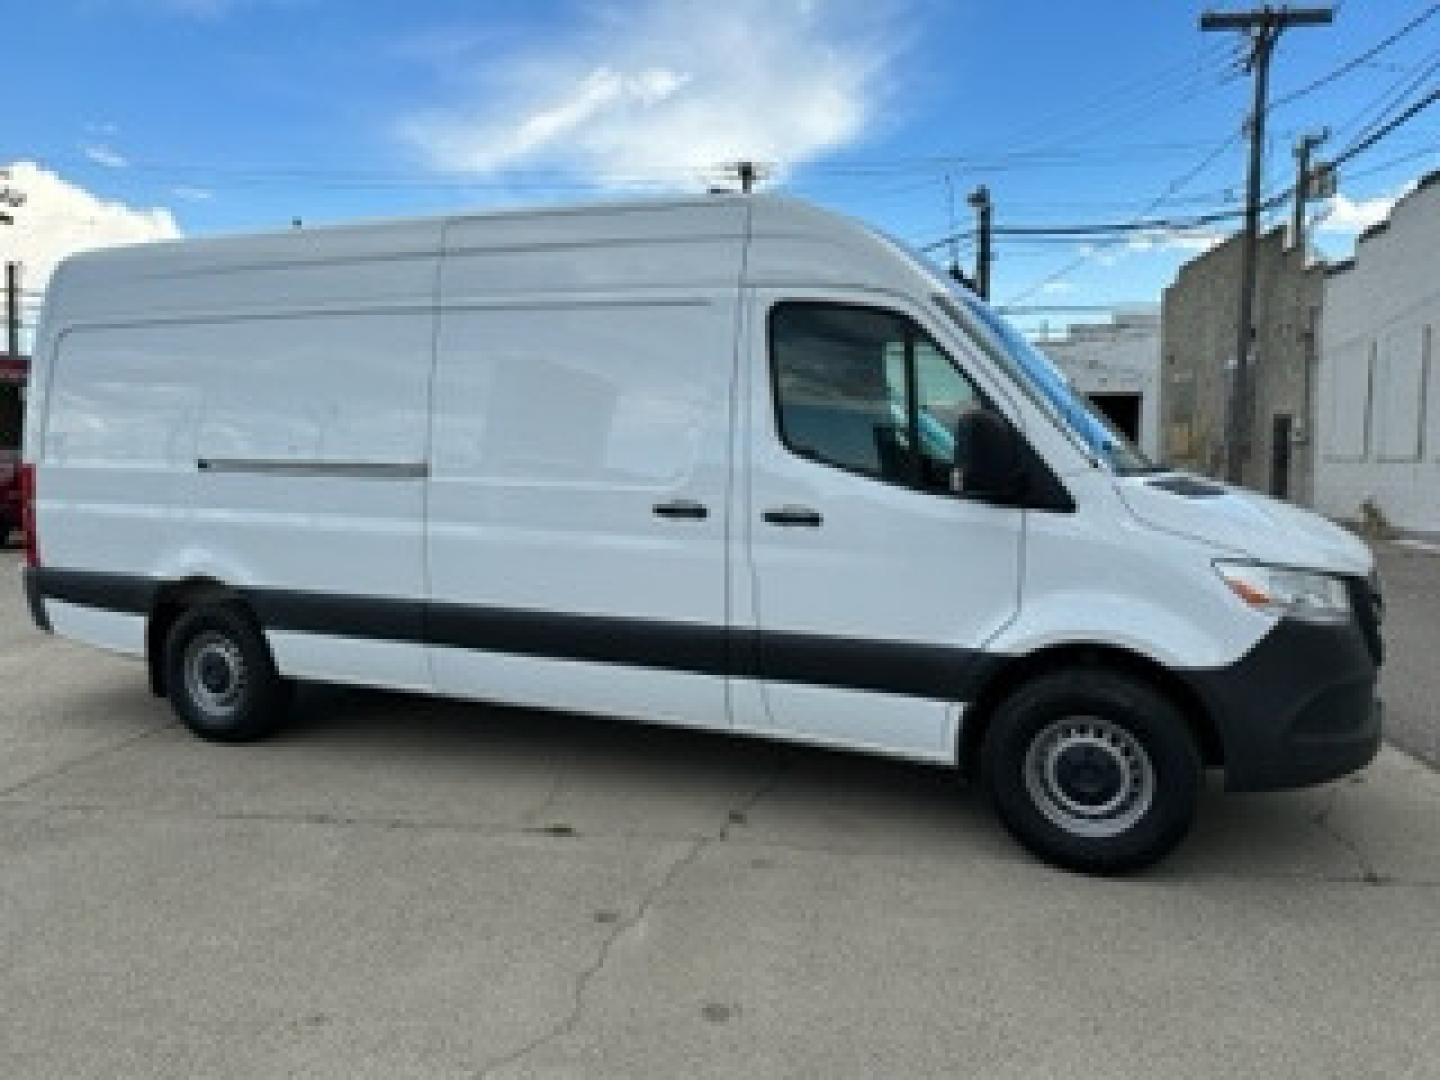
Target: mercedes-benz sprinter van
{"x": 734, "y": 462}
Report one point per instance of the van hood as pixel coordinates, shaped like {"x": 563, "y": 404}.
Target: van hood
{"x": 1236, "y": 521}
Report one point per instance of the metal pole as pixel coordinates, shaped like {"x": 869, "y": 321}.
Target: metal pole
{"x": 980, "y": 200}
{"x": 1237, "y": 442}
{"x": 1264, "y": 25}
{"x": 12, "y": 308}
{"x": 1303, "y": 150}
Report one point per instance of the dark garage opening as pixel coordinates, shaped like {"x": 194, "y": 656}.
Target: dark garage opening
{"x": 1122, "y": 410}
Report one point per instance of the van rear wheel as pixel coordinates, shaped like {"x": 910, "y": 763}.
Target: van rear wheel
{"x": 220, "y": 676}
{"x": 1092, "y": 770}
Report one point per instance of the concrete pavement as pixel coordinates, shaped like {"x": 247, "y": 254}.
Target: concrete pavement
{"x": 399, "y": 887}
{"x": 1411, "y": 679}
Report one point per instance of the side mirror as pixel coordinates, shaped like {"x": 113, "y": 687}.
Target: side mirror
{"x": 989, "y": 457}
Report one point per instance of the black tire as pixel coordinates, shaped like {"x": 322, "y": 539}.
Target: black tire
{"x": 220, "y": 676}
{"x": 1092, "y": 770}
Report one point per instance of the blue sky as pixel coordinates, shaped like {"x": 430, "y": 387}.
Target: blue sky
{"x": 243, "y": 114}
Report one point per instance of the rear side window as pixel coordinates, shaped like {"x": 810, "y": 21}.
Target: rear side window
{"x": 866, "y": 390}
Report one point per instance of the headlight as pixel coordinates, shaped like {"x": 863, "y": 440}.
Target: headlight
{"x": 1279, "y": 590}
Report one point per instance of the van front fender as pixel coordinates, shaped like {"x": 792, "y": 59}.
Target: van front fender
{"x": 1173, "y": 639}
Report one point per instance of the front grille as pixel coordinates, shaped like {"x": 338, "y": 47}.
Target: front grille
{"x": 1369, "y": 608}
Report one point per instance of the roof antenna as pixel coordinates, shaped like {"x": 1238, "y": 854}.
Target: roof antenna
{"x": 748, "y": 173}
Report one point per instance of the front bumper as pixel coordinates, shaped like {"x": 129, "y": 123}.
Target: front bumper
{"x": 1299, "y": 708}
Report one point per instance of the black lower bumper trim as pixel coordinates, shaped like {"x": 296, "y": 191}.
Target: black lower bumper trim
{"x": 1299, "y": 708}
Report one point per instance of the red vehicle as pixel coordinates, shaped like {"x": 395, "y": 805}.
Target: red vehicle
{"x": 9, "y": 493}
{"x": 13, "y": 370}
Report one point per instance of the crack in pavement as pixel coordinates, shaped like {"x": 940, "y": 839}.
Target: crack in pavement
{"x": 84, "y": 759}
{"x": 1321, "y": 820}
{"x": 1365, "y": 874}
{"x": 501, "y": 830}
{"x": 536, "y": 816}
{"x": 571, "y": 1020}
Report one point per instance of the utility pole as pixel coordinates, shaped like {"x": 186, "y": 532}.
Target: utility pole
{"x": 12, "y": 308}
{"x": 1304, "y": 148}
{"x": 1264, "y": 26}
{"x": 980, "y": 200}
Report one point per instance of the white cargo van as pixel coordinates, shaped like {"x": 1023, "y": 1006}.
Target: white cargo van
{"x": 734, "y": 463}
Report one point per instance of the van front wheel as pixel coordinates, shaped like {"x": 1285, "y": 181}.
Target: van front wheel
{"x": 1092, "y": 770}
{"x": 220, "y": 676}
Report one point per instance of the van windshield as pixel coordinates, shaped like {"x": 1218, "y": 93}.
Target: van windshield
{"x": 1043, "y": 382}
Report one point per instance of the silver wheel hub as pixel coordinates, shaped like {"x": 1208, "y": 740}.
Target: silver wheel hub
{"x": 1089, "y": 776}
{"x": 215, "y": 675}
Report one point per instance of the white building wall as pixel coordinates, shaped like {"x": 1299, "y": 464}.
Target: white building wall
{"x": 1118, "y": 357}
{"x": 1378, "y": 421}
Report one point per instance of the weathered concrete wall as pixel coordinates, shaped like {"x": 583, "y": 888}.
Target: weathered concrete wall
{"x": 1119, "y": 357}
{"x": 1378, "y": 413}
{"x": 1199, "y": 315}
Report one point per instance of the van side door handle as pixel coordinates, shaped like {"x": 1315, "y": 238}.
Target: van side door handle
{"x": 791, "y": 516}
{"x": 681, "y": 508}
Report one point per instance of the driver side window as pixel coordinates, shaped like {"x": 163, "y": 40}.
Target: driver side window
{"x": 868, "y": 391}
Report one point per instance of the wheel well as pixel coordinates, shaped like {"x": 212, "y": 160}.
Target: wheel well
{"x": 1022, "y": 669}
{"x": 170, "y": 603}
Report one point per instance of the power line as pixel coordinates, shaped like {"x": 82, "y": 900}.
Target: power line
{"x": 1125, "y": 94}
{"x": 1391, "y": 96}
{"x": 1073, "y": 307}
{"x": 1413, "y": 155}
{"x": 565, "y": 178}
{"x": 1356, "y": 61}
{"x": 1151, "y": 103}
{"x": 1138, "y": 224}
{"x": 1170, "y": 189}
{"x": 1378, "y": 134}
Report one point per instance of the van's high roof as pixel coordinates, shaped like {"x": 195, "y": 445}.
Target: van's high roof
{"x": 392, "y": 260}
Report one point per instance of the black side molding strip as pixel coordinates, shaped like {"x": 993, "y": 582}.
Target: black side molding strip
{"x": 375, "y": 618}
{"x": 674, "y": 646}
{"x": 127, "y": 594}
{"x": 912, "y": 669}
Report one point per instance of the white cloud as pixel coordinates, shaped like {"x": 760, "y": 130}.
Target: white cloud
{"x": 662, "y": 91}
{"x": 104, "y": 155}
{"x": 1171, "y": 239}
{"x": 1057, "y": 288}
{"x": 192, "y": 194}
{"x": 58, "y": 218}
{"x": 1348, "y": 216}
